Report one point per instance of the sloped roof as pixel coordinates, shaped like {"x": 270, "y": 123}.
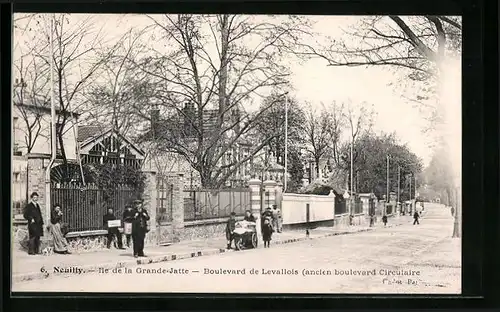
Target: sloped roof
{"x": 86, "y": 132}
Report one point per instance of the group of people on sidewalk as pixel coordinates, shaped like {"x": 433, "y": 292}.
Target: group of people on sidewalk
{"x": 135, "y": 226}
{"x": 271, "y": 221}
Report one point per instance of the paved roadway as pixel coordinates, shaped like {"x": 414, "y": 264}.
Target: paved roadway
{"x": 426, "y": 249}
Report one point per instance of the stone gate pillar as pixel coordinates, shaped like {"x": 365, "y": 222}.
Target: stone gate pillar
{"x": 178, "y": 206}
{"x": 37, "y": 165}
{"x": 149, "y": 198}
{"x": 255, "y": 185}
{"x": 279, "y": 195}
{"x": 270, "y": 193}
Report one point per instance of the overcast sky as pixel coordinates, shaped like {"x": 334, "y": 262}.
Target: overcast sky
{"x": 315, "y": 82}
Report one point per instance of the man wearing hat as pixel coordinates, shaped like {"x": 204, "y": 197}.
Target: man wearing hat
{"x": 33, "y": 215}
{"x": 139, "y": 228}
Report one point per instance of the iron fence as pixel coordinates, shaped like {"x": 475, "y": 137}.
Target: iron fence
{"x": 209, "y": 204}
{"x": 358, "y": 206}
{"x": 340, "y": 206}
{"x": 84, "y": 207}
{"x": 164, "y": 201}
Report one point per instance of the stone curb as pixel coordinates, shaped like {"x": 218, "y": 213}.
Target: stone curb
{"x": 93, "y": 268}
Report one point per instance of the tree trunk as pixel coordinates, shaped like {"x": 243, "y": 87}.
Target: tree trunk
{"x": 457, "y": 215}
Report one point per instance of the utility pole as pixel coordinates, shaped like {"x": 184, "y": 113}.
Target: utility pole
{"x": 286, "y": 143}
{"x": 387, "y": 182}
{"x": 399, "y": 183}
{"x": 410, "y": 194}
{"x": 52, "y": 123}
{"x": 352, "y": 176}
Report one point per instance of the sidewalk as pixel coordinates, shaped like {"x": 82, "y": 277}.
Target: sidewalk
{"x": 25, "y": 267}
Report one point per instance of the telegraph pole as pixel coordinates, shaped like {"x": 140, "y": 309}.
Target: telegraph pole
{"x": 286, "y": 143}
{"x": 399, "y": 183}
{"x": 410, "y": 194}
{"x": 387, "y": 182}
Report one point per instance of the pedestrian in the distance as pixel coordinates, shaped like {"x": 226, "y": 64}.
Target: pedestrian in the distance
{"x": 230, "y": 227}
{"x": 452, "y": 211}
{"x": 139, "y": 229}
{"x": 128, "y": 218}
{"x": 267, "y": 231}
{"x": 384, "y": 220}
{"x": 416, "y": 216}
{"x": 113, "y": 232}
{"x": 33, "y": 215}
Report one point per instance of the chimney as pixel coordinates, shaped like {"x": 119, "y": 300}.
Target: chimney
{"x": 155, "y": 119}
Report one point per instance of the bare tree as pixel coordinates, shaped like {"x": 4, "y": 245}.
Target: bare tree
{"x": 31, "y": 96}
{"x": 317, "y": 134}
{"x": 216, "y": 64}
{"x": 76, "y": 63}
{"x": 109, "y": 98}
{"x": 417, "y": 43}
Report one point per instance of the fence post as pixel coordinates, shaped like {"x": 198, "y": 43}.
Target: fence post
{"x": 149, "y": 197}
{"x": 254, "y": 185}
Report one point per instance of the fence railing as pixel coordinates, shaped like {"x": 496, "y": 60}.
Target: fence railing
{"x": 209, "y": 204}
{"x": 388, "y": 209}
{"x": 164, "y": 201}
{"x": 358, "y": 207}
{"x": 84, "y": 207}
{"x": 340, "y": 207}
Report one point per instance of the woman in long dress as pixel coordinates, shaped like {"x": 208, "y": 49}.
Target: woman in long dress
{"x": 60, "y": 242}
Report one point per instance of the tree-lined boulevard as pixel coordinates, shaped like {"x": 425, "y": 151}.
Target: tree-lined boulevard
{"x": 405, "y": 259}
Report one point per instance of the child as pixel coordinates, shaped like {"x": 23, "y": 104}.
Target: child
{"x": 384, "y": 219}
{"x": 113, "y": 231}
{"x": 230, "y": 226}
{"x": 267, "y": 231}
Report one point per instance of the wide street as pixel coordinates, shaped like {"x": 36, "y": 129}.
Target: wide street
{"x": 405, "y": 259}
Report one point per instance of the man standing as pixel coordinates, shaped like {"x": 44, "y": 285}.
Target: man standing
{"x": 33, "y": 215}
{"x": 277, "y": 219}
{"x": 230, "y": 227}
{"x": 139, "y": 228}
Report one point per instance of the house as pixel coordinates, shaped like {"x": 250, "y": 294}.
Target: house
{"x": 183, "y": 126}
{"x": 88, "y": 144}
{"x": 100, "y": 145}
{"x": 32, "y": 129}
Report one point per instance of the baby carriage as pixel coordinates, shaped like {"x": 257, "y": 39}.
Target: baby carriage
{"x": 245, "y": 235}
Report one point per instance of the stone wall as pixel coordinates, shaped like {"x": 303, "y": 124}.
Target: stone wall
{"x": 205, "y": 229}
{"x": 343, "y": 220}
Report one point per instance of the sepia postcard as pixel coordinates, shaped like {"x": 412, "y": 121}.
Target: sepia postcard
{"x": 236, "y": 154}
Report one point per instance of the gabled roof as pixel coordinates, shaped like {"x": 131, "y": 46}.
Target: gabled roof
{"x": 90, "y": 134}
{"x": 86, "y": 132}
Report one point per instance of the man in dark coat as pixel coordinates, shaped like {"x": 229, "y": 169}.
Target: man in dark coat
{"x": 33, "y": 215}
{"x": 112, "y": 231}
{"x": 139, "y": 228}
{"x": 230, "y": 227}
{"x": 416, "y": 216}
